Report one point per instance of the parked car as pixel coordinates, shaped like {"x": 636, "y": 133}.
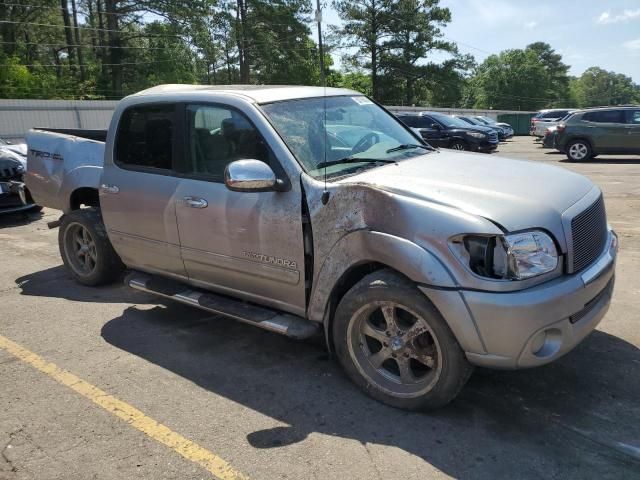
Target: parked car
{"x": 490, "y": 122}
{"x": 445, "y": 131}
{"x": 19, "y": 148}
{"x": 549, "y": 139}
{"x": 474, "y": 121}
{"x": 14, "y": 197}
{"x": 542, "y": 124}
{"x": 548, "y": 115}
{"x": 607, "y": 130}
{"x": 416, "y": 263}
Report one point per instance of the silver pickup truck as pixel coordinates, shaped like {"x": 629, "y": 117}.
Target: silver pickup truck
{"x": 303, "y": 210}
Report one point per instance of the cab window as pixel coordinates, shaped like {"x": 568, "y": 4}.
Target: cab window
{"x": 218, "y": 135}
{"x": 145, "y": 137}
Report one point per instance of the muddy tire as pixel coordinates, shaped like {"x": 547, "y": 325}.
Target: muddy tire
{"x": 396, "y": 346}
{"x": 86, "y": 250}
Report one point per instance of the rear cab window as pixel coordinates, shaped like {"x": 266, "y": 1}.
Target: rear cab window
{"x": 145, "y": 138}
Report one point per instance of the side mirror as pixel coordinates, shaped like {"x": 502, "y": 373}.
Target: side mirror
{"x": 435, "y": 126}
{"x": 250, "y": 176}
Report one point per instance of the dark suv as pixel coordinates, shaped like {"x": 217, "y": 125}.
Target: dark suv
{"x": 440, "y": 130}
{"x": 612, "y": 130}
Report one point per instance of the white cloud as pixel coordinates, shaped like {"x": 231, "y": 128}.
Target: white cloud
{"x": 531, "y": 25}
{"x": 606, "y": 18}
{"x": 632, "y": 44}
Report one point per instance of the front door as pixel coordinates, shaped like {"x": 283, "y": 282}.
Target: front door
{"x": 138, "y": 191}
{"x": 633, "y": 131}
{"x": 432, "y": 131}
{"x": 245, "y": 244}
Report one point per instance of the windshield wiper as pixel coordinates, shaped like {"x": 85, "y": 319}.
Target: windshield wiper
{"x": 407, "y": 146}
{"x": 353, "y": 160}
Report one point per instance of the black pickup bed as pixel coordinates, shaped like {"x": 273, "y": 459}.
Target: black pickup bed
{"x": 97, "y": 135}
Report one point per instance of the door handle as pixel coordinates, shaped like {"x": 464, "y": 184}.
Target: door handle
{"x": 195, "y": 202}
{"x": 109, "y": 188}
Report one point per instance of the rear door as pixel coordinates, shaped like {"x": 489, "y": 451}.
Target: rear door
{"x": 633, "y": 131}
{"x": 606, "y": 129}
{"x": 247, "y": 244}
{"x": 138, "y": 189}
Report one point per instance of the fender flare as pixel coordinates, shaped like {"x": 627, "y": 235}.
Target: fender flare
{"x": 86, "y": 176}
{"x": 366, "y": 246}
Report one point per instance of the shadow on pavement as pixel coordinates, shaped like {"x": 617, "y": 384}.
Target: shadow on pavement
{"x": 607, "y": 161}
{"x": 18, "y": 219}
{"x": 56, "y": 282}
{"x": 577, "y": 418}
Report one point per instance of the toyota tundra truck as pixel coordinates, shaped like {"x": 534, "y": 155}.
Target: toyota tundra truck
{"x": 310, "y": 211}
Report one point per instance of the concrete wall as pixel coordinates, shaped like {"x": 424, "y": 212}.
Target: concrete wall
{"x": 18, "y": 116}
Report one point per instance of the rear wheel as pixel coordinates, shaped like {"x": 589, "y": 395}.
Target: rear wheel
{"x": 579, "y": 151}
{"x": 86, "y": 250}
{"x": 394, "y": 344}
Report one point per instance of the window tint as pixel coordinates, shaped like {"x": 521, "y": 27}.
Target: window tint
{"x": 423, "y": 122}
{"x": 145, "y": 137}
{"x": 633, "y": 117}
{"x": 217, "y": 136}
{"x": 554, "y": 114}
{"x": 409, "y": 121}
{"x": 604, "y": 116}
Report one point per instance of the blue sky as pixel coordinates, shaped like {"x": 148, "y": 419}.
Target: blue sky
{"x": 586, "y": 32}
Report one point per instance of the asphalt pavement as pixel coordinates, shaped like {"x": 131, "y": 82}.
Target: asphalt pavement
{"x": 110, "y": 383}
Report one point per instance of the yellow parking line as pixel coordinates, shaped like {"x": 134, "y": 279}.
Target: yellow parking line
{"x": 131, "y": 415}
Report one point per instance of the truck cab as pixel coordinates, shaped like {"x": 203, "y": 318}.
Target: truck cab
{"x": 304, "y": 210}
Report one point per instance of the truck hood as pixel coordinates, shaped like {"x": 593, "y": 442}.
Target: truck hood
{"x": 515, "y": 194}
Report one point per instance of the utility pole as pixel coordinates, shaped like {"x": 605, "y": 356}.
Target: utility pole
{"x": 320, "y": 46}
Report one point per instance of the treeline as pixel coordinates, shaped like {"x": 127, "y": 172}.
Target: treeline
{"x": 105, "y": 49}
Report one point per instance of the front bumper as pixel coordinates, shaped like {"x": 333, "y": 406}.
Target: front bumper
{"x": 535, "y": 326}
{"x": 13, "y": 197}
{"x": 485, "y": 146}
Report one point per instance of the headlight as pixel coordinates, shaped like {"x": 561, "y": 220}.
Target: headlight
{"x": 20, "y": 168}
{"x": 515, "y": 256}
{"x": 477, "y": 135}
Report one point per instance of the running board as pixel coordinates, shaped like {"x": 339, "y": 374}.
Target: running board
{"x": 282, "y": 323}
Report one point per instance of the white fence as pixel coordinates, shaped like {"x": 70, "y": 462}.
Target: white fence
{"x": 18, "y": 116}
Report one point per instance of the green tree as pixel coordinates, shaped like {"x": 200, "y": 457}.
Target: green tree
{"x": 415, "y": 32}
{"x": 365, "y": 28}
{"x": 599, "y": 87}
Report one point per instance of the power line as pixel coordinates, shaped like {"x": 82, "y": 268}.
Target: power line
{"x": 73, "y": 65}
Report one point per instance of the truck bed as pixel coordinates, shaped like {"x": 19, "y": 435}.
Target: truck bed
{"x": 60, "y": 161}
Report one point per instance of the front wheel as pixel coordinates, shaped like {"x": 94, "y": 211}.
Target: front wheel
{"x": 86, "y": 250}
{"x": 395, "y": 345}
{"x": 458, "y": 145}
{"x": 579, "y": 151}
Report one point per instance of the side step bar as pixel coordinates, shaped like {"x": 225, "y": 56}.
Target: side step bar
{"x": 282, "y": 323}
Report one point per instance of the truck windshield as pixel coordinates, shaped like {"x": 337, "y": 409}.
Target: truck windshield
{"x": 355, "y": 128}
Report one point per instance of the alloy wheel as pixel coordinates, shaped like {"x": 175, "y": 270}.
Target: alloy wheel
{"x": 395, "y": 349}
{"x": 81, "y": 249}
{"x": 578, "y": 151}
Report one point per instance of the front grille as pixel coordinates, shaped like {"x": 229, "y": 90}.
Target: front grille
{"x": 589, "y": 234}
{"x": 493, "y": 137}
{"x": 9, "y": 173}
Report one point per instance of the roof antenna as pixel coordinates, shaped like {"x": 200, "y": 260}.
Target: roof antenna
{"x": 325, "y": 193}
